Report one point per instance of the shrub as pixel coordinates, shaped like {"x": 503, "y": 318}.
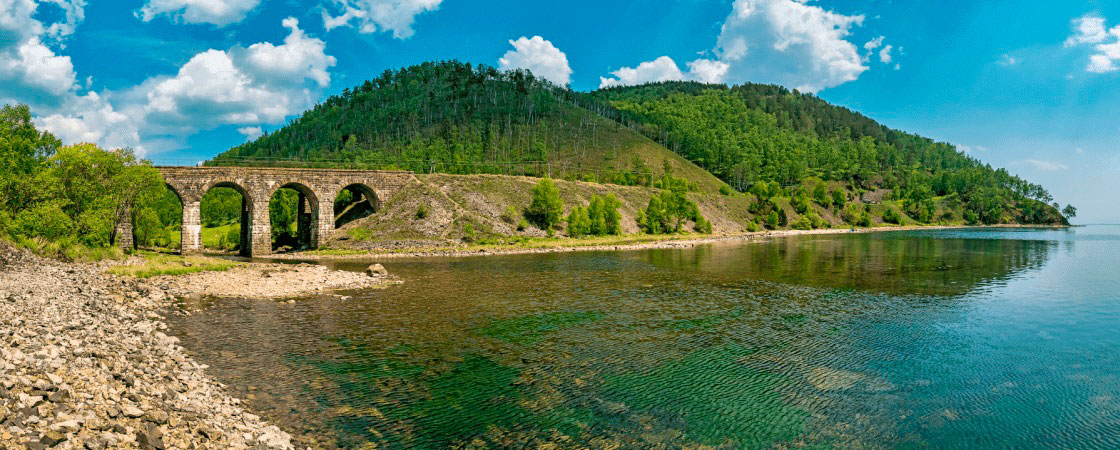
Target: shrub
{"x": 839, "y": 199}
{"x": 47, "y": 221}
{"x": 546, "y": 208}
{"x": 510, "y": 215}
{"x": 856, "y": 215}
{"x": 604, "y": 216}
{"x": 772, "y": 220}
{"x": 667, "y": 211}
{"x": 702, "y": 225}
{"x": 232, "y": 239}
{"x": 725, "y": 190}
{"x": 752, "y": 226}
{"x": 422, "y": 211}
{"x": 579, "y": 223}
{"x": 892, "y": 216}
{"x": 820, "y": 194}
{"x": 522, "y": 225}
{"x": 469, "y": 233}
{"x": 802, "y": 223}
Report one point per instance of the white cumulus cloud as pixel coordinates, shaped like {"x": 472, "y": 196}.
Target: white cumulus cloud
{"x": 665, "y": 69}
{"x": 786, "y": 42}
{"x": 540, "y": 57}
{"x": 1090, "y": 30}
{"x": 885, "y": 54}
{"x": 216, "y": 12}
{"x": 791, "y": 43}
{"x": 250, "y": 133}
{"x": 244, "y": 86}
{"x": 370, "y": 16}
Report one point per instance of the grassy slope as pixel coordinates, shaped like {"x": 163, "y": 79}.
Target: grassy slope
{"x": 452, "y": 201}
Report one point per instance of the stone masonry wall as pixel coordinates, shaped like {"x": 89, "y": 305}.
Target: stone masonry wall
{"x": 257, "y": 185}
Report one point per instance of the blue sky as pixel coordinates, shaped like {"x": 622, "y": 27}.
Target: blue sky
{"x": 1033, "y": 86}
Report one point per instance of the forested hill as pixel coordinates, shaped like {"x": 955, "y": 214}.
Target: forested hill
{"x": 457, "y": 118}
{"x": 453, "y": 117}
{"x": 751, "y": 133}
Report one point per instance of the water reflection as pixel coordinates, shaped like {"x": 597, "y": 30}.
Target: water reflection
{"x": 863, "y": 340}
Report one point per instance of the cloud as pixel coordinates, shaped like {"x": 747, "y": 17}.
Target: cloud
{"x": 298, "y": 58}
{"x": 90, "y": 118}
{"x": 30, "y": 70}
{"x": 34, "y": 67}
{"x": 250, "y": 133}
{"x": 885, "y": 54}
{"x": 665, "y": 69}
{"x": 540, "y": 57}
{"x": 1008, "y": 60}
{"x": 787, "y": 42}
{"x": 243, "y": 86}
{"x": 1090, "y": 30}
{"x": 1048, "y": 166}
{"x": 874, "y": 43}
{"x": 370, "y": 16}
{"x": 217, "y": 12}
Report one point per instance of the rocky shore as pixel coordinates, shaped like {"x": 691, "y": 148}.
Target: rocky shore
{"x": 84, "y": 363}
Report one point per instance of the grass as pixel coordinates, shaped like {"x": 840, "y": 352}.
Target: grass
{"x": 211, "y": 237}
{"x": 156, "y": 264}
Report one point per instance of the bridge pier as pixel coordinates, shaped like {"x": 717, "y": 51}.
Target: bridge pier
{"x": 259, "y": 227}
{"x": 191, "y": 242}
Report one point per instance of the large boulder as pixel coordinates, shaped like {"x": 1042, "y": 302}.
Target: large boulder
{"x": 376, "y": 270}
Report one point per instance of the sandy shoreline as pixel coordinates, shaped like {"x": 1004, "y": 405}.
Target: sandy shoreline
{"x": 563, "y": 247}
{"x": 269, "y": 281}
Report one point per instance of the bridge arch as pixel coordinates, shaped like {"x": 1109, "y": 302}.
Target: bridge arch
{"x": 250, "y": 215}
{"x": 364, "y": 201}
{"x": 307, "y": 210}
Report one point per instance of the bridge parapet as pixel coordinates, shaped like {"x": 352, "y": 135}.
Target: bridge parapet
{"x": 317, "y": 188}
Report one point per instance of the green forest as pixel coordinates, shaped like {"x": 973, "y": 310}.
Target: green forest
{"x": 457, "y": 118}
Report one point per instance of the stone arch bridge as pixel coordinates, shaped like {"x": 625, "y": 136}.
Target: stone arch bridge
{"x": 317, "y": 191}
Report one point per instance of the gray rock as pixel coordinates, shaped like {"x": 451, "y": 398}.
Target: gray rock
{"x": 150, "y": 437}
{"x": 132, "y": 411}
{"x": 156, "y": 416}
{"x": 52, "y": 438}
{"x": 376, "y": 270}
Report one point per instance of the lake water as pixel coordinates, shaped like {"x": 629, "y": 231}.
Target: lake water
{"x": 963, "y": 338}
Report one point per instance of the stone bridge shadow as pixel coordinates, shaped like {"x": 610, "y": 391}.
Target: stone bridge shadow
{"x": 317, "y": 191}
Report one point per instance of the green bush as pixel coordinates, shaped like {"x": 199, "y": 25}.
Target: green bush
{"x": 546, "y": 208}
{"x": 604, "y": 215}
{"x": 752, "y": 227}
{"x": 839, "y": 199}
{"x": 855, "y": 214}
{"x": 510, "y": 215}
{"x": 702, "y": 225}
{"x": 469, "y": 233}
{"x": 725, "y": 190}
{"x": 422, "y": 211}
{"x": 522, "y": 225}
{"x": 666, "y": 212}
{"x": 47, "y": 221}
{"x": 232, "y": 239}
{"x": 579, "y": 223}
{"x": 892, "y": 216}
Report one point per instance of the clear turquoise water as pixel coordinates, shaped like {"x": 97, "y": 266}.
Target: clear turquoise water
{"x": 971, "y": 338}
